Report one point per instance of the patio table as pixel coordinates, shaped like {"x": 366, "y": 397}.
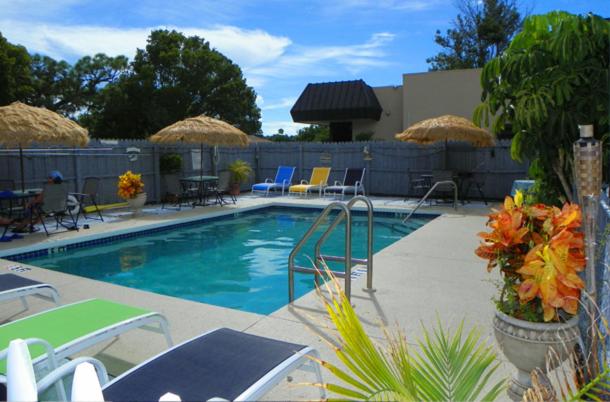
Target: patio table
{"x": 15, "y": 197}
{"x": 203, "y": 183}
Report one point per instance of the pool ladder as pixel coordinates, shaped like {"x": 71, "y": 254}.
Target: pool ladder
{"x": 347, "y": 259}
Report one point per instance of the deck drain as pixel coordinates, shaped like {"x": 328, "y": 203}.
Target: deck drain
{"x": 18, "y": 268}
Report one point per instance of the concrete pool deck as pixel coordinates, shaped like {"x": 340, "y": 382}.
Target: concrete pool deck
{"x": 430, "y": 275}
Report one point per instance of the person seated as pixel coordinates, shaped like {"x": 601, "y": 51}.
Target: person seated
{"x": 30, "y": 217}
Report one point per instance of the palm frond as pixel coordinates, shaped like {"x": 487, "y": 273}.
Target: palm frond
{"x": 449, "y": 365}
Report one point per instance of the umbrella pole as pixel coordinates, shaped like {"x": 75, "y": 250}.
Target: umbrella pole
{"x": 201, "y": 159}
{"x": 21, "y": 164}
{"x": 445, "y": 156}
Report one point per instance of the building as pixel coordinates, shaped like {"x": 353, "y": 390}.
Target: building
{"x": 353, "y": 109}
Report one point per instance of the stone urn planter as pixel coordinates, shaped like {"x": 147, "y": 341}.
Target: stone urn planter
{"x": 526, "y": 345}
{"x": 136, "y": 204}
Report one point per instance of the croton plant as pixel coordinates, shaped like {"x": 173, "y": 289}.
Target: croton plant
{"x": 539, "y": 250}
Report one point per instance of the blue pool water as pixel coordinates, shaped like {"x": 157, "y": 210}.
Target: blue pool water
{"x": 238, "y": 261}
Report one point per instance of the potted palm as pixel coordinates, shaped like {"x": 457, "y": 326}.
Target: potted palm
{"x": 539, "y": 251}
{"x": 240, "y": 172}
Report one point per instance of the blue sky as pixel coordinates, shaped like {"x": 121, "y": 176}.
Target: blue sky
{"x": 281, "y": 45}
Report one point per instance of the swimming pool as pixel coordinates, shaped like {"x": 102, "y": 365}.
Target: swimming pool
{"x": 237, "y": 261}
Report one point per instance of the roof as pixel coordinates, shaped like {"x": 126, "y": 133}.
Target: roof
{"x": 336, "y": 101}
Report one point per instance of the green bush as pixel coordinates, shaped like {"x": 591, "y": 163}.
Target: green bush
{"x": 366, "y": 136}
{"x": 170, "y": 163}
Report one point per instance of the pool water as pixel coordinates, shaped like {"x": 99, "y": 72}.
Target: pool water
{"x": 238, "y": 261}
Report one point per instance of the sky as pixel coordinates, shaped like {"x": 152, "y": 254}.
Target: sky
{"x": 281, "y": 45}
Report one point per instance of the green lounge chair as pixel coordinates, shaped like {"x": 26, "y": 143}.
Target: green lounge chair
{"x": 72, "y": 328}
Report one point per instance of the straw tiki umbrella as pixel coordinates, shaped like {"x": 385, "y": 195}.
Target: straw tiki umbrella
{"x": 446, "y": 128}
{"x": 22, "y": 125}
{"x": 201, "y": 130}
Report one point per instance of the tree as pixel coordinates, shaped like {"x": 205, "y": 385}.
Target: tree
{"x": 313, "y": 133}
{"x": 54, "y": 86}
{"x": 72, "y": 90}
{"x": 174, "y": 77}
{"x": 14, "y": 72}
{"x": 481, "y": 32}
{"x": 552, "y": 77}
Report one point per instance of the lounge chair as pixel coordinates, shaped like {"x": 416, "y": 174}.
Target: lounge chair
{"x": 283, "y": 180}
{"x": 14, "y": 286}
{"x": 352, "y": 183}
{"x": 72, "y": 328}
{"x": 55, "y": 205}
{"x": 317, "y": 182}
{"x": 222, "y": 363}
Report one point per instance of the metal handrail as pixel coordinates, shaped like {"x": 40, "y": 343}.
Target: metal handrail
{"x": 369, "y": 260}
{"x": 347, "y": 259}
{"x": 425, "y": 197}
{"x": 292, "y": 268}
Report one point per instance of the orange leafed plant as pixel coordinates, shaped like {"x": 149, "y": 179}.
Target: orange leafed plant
{"x": 540, "y": 251}
{"x": 130, "y": 185}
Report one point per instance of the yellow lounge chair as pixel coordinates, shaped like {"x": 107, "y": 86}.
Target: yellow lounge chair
{"x": 318, "y": 180}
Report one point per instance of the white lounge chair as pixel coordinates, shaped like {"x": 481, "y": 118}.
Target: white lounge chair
{"x": 17, "y": 287}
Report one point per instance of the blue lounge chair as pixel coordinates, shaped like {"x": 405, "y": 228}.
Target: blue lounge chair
{"x": 283, "y": 180}
{"x": 222, "y": 363}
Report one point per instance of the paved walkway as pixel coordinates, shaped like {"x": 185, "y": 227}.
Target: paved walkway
{"x": 430, "y": 276}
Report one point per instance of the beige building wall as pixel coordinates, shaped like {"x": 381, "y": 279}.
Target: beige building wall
{"x": 391, "y": 121}
{"x": 436, "y": 93}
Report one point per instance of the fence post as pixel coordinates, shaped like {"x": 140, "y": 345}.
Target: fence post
{"x": 257, "y": 165}
{"x": 76, "y": 166}
{"x": 156, "y": 173}
{"x": 301, "y": 161}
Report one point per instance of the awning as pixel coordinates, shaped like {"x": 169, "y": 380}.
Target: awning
{"x": 336, "y": 101}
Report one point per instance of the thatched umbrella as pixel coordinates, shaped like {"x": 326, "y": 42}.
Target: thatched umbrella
{"x": 446, "y": 128}
{"x": 22, "y": 125}
{"x": 252, "y": 139}
{"x": 201, "y": 130}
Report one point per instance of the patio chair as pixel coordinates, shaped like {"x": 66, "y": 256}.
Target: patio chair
{"x": 352, "y": 182}
{"x": 317, "y": 182}
{"x": 55, "y": 205}
{"x": 445, "y": 184}
{"x": 222, "y": 364}
{"x": 283, "y": 180}
{"x": 177, "y": 193}
{"x": 88, "y": 195}
{"x": 223, "y": 187}
{"x": 14, "y": 286}
{"x": 71, "y": 328}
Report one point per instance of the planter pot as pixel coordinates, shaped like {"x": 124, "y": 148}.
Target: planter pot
{"x": 526, "y": 345}
{"x": 136, "y": 204}
{"x": 235, "y": 189}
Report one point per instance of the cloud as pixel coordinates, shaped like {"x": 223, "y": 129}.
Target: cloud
{"x": 282, "y": 104}
{"x": 245, "y": 47}
{"x": 400, "y": 5}
{"x": 261, "y": 55}
{"x": 323, "y": 60}
{"x": 290, "y": 127}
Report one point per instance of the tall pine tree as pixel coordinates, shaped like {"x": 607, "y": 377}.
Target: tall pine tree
{"x": 481, "y": 31}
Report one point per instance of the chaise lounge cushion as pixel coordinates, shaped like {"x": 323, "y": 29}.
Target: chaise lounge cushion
{"x": 197, "y": 370}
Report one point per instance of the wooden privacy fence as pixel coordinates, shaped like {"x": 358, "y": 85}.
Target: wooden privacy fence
{"x": 391, "y": 166}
